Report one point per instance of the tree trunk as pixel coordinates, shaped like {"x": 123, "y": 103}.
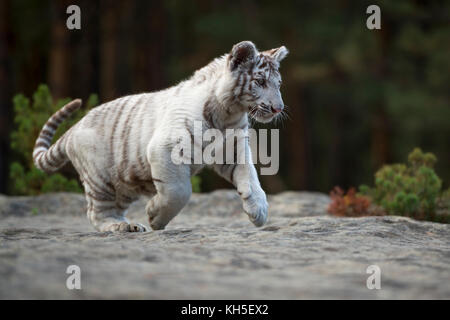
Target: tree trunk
{"x": 58, "y": 65}
{"x": 380, "y": 124}
{"x": 108, "y": 47}
{"x": 148, "y": 69}
{"x": 297, "y": 146}
{"x": 5, "y": 91}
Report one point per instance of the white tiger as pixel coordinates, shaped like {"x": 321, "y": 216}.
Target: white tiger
{"x": 122, "y": 149}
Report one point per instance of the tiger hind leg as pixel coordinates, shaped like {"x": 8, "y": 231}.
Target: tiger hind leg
{"x": 107, "y": 214}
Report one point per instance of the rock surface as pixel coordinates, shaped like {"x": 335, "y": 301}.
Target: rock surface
{"x": 211, "y": 251}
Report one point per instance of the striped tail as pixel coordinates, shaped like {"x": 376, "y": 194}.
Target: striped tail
{"x": 47, "y": 157}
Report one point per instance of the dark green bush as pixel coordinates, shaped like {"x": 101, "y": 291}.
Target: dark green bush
{"x": 29, "y": 118}
{"x": 412, "y": 190}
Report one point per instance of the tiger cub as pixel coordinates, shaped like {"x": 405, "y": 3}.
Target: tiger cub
{"x": 122, "y": 149}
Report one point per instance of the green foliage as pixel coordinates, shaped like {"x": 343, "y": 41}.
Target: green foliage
{"x": 410, "y": 190}
{"x": 29, "y": 118}
{"x": 196, "y": 182}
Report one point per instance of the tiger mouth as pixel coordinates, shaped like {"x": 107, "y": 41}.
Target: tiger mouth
{"x": 261, "y": 113}
{"x": 261, "y": 110}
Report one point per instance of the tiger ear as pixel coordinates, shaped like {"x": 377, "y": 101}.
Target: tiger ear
{"x": 278, "y": 54}
{"x": 242, "y": 54}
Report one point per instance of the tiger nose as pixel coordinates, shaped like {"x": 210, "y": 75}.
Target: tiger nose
{"x": 277, "y": 109}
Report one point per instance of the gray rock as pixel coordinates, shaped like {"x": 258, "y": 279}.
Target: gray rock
{"x": 211, "y": 251}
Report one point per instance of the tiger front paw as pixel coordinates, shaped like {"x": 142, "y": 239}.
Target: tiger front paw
{"x": 256, "y": 207}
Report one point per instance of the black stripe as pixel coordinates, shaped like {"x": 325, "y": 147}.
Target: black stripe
{"x": 98, "y": 189}
{"x": 242, "y": 87}
{"x": 114, "y": 127}
{"x": 99, "y": 197}
{"x": 41, "y": 164}
{"x": 72, "y": 106}
{"x": 142, "y": 163}
{"x": 47, "y": 133}
{"x": 232, "y": 173}
{"x": 42, "y": 143}
{"x": 50, "y": 123}
{"x": 126, "y": 135}
{"x": 50, "y": 159}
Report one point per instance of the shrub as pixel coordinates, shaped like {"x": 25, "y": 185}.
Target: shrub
{"x": 350, "y": 204}
{"x": 29, "y": 118}
{"x": 409, "y": 190}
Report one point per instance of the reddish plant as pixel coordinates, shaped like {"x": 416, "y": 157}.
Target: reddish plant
{"x": 348, "y": 205}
